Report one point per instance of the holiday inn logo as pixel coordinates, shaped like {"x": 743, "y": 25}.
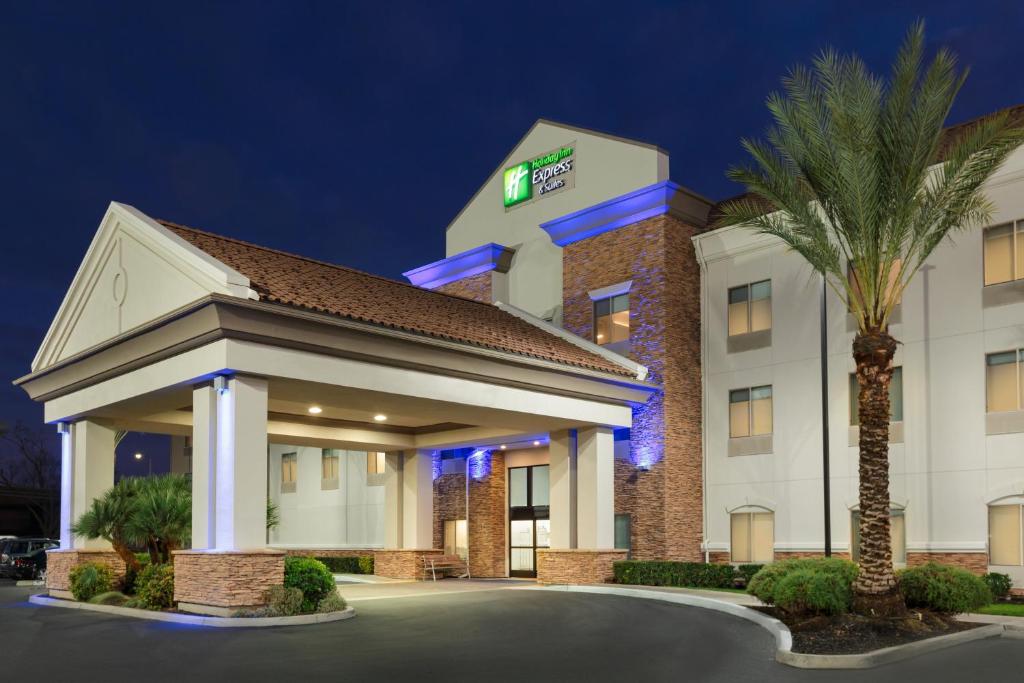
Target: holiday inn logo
{"x": 546, "y": 174}
{"x": 518, "y": 187}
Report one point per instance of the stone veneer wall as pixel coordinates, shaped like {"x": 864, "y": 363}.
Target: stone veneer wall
{"x": 449, "y": 503}
{"x": 401, "y": 564}
{"x": 226, "y": 579}
{"x": 59, "y": 564}
{"x": 972, "y": 562}
{"x": 476, "y": 287}
{"x": 577, "y": 566}
{"x": 487, "y": 544}
{"x": 665, "y": 503}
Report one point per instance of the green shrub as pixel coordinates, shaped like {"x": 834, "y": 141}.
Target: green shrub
{"x": 112, "y": 598}
{"x": 283, "y": 601}
{"x": 764, "y": 585}
{"x": 311, "y": 577}
{"x": 90, "y": 579}
{"x": 813, "y": 591}
{"x": 943, "y": 588}
{"x": 332, "y": 603}
{"x": 154, "y": 587}
{"x": 366, "y": 564}
{"x": 689, "y": 574}
{"x": 745, "y": 572}
{"x": 348, "y": 565}
{"x": 999, "y": 584}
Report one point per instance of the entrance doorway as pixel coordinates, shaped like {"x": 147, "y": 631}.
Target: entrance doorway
{"x": 529, "y": 517}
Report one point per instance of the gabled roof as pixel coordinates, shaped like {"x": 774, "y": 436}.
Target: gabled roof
{"x": 314, "y": 285}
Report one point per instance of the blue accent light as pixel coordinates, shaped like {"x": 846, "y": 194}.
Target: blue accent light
{"x": 632, "y": 207}
{"x": 479, "y": 464}
{"x": 478, "y": 260}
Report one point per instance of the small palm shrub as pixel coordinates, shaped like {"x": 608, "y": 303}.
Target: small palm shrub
{"x": 310, "y": 576}
{"x": 332, "y": 603}
{"x": 999, "y": 584}
{"x": 154, "y": 587}
{"x": 112, "y": 598}
{"x": 804, "y": 592}
{"x": 943, "y": 588}
{"x": 90, "y": 579}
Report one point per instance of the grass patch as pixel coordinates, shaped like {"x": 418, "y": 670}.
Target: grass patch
{"x": 1008, "y": 609}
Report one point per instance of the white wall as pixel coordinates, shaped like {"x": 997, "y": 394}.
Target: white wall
{"x": 350, "y": 516}
{"x": 945, "y": 471}
{"x": 606, "y": 167}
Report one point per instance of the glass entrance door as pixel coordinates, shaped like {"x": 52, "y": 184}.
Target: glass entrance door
{"x": 529, "y": 518}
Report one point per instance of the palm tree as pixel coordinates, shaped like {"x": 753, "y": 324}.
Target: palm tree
{"x": 161, "y": 518}
{"x": 858, "y": 177}
{"x": 108, "y": 517}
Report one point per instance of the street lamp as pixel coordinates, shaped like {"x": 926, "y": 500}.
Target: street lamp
{"x": 138, "y": 456}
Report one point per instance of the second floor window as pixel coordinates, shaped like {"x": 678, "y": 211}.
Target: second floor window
{"x": 895, "y": 397}
{"x": 1004, "y": 381}
{"x": 1004, "y": 253}
{"x": 611, "y": 319}
{"x": 750, "y": 412}
{"x": 289, "y": 472}
{"x": 750, "y": 308}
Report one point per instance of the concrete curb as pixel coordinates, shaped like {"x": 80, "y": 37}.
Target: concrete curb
{"x": 870, "y": 660}
{"x": 784, "y": 639}
{"x": 195, "y": 619}
{"x": 29, "y": 582}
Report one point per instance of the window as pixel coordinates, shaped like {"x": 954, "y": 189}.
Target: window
{"x": 750, "y": 412}
{"x": 611, "y": 319}
{"x": 456, "y": 538}
{"x": 897, "y": 536}
{"x": 622, "y": 532}
{"x": 895, "y": 397}
{"x": 328, "y": 470}
{"x": 750, "y": 308}
{"x": 375, "y": 463}
{"x": 894, "y": 273}
{"x": 289, "y": 472}
{"x": 1004, "y": 253}
{"x": 1004, "y": 381}
{"x": 1004, "y": 535}
{"x": 753, "y": 537}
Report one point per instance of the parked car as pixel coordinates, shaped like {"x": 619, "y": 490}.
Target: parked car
{"x": 24, "y": 558}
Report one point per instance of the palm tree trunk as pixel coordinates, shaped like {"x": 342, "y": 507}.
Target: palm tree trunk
{"x": 875, "y": 592}
{"x": 131, "y": 562}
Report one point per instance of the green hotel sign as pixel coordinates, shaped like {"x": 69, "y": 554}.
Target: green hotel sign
{"x": 549, "y": 173}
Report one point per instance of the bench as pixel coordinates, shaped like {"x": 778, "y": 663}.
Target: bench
{"x": 444, "y": 565}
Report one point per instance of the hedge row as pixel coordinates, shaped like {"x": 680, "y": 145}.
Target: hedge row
{"x": 349, "y": 565}
{"x": 683, "y": 574}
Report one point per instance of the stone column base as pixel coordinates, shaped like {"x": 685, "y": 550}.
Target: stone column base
{"x": 401, "y": 563}
{"x": 577, "y": 565}
{"x": 59, "y": 564}
{"x": 219, "y": 582}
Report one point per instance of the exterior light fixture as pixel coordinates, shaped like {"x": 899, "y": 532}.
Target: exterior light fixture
{"x": 138, "y": 456}
{"x": 315, "y": 410}
{"x": 536, "y": 443}
{"x": 380, "y": 417}
{"x": 503, "y": 446}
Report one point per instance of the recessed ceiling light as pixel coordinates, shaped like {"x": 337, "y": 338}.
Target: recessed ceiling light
{"x": 536, "y": 443}
{"x": 379, "y": 417}
{"x": 503, "y": 446}
{"x": 315, "y": 410}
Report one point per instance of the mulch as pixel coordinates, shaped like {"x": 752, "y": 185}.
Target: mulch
{"x": 849, "y": 634}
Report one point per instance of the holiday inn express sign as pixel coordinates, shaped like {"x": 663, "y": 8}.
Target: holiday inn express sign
{"x": 547, "y": 174}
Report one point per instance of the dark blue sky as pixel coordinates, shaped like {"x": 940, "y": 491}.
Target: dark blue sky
{"x": 355, "y": 132}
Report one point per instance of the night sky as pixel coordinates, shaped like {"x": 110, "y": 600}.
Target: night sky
{"x": 355, "y": 132}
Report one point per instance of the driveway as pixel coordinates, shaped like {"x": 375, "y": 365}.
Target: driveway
{"x": 503, "y": 634}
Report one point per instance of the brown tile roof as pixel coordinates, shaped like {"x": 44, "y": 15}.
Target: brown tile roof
{"x": 306, "y": 283}
{"x": 1015, "y": 115}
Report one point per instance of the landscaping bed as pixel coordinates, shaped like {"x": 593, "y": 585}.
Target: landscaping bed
{"x": 853, "y": 634}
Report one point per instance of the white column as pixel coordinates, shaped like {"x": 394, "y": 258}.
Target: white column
{"x": 87, "y": 471}
{"x": 417, "y": 500}
{"x": 562, "y": 453}
{"x": 393, "y": 500}
{"x": 241, "y": 467}
{"x": 595, "y": 518}
{"x": 204, "y": 467}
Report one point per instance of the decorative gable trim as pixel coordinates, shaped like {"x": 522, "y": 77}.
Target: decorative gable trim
{"x": 481, "y": 259}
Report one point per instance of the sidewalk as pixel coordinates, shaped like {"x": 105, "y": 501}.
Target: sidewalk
{"x": 1014, "y": 624}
